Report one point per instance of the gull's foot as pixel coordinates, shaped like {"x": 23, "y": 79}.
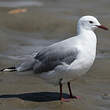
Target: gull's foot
{"x": 75, "y": 97}
{"x": 65, "y": 100}
{"x": 69, "y": 99}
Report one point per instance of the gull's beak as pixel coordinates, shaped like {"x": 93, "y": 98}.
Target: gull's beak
{"x": 102, "y": 27}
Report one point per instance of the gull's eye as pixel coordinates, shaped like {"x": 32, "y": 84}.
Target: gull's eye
{"x": 91, "y": 22}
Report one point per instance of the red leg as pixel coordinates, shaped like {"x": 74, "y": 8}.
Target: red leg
{"x": 61, "y": 94}
{"x": 71, "y": 95}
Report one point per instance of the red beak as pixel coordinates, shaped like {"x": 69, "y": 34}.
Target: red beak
{"x": 102, "y": 27}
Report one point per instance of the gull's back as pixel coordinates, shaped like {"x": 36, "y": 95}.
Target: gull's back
{"x": 54, "y": 55}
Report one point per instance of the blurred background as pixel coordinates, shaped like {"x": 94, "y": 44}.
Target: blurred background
{"x": 27, "y": 26}
{"x": 24, "y": 22}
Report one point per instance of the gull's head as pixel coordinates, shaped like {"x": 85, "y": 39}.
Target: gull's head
{"x": 90, "y": 23}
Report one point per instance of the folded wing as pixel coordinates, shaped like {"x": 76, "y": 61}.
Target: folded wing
{"x": 53, "y": 56}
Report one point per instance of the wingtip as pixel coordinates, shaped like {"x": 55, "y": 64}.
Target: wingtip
{"x": 2, "y": 70}
{"x": 11, "y": 69}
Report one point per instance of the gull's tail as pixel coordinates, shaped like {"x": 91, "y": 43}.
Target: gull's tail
{"x": 27, "y": 64}
{"x": 10, "y": 69}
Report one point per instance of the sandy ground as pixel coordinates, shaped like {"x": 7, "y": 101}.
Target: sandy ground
{"x": 24, "y": 91}
{"x": 23, "y": 33}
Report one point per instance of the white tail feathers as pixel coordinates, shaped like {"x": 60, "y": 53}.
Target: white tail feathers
{"x": 11, "y": 69}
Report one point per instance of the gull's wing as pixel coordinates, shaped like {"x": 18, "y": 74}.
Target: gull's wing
{"x": 53, "y": 56}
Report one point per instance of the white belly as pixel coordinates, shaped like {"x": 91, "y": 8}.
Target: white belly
{"x": 71, "y": 72}
{"x": 68, "y": 72}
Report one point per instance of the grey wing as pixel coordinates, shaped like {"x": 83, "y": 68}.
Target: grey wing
{"x": 49, "y": 58}
{"x": 27, "y": 64}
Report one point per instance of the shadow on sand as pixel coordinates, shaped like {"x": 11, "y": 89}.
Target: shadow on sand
{"x": 36, "y": 97}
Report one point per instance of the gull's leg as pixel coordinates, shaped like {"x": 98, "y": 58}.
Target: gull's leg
{"x": 61, "y": 94}
{"x": 70, "y": 91}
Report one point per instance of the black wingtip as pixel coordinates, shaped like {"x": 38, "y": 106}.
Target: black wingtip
{"x": 10, "y": 69}
{"x": 2, "y": 70}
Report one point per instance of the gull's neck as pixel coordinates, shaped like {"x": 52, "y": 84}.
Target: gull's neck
{"x": 87, "y": 44}
{"x": 86, "y": 34}
{"x": 87, "y": 38}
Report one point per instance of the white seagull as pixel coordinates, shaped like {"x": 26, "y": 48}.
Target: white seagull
{"x": 65, "y": 61}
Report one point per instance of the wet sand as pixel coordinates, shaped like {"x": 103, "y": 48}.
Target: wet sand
{"x": 25, "y": 33}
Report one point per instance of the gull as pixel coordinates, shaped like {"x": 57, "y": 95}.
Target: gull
{"x": 67, "y": 60}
